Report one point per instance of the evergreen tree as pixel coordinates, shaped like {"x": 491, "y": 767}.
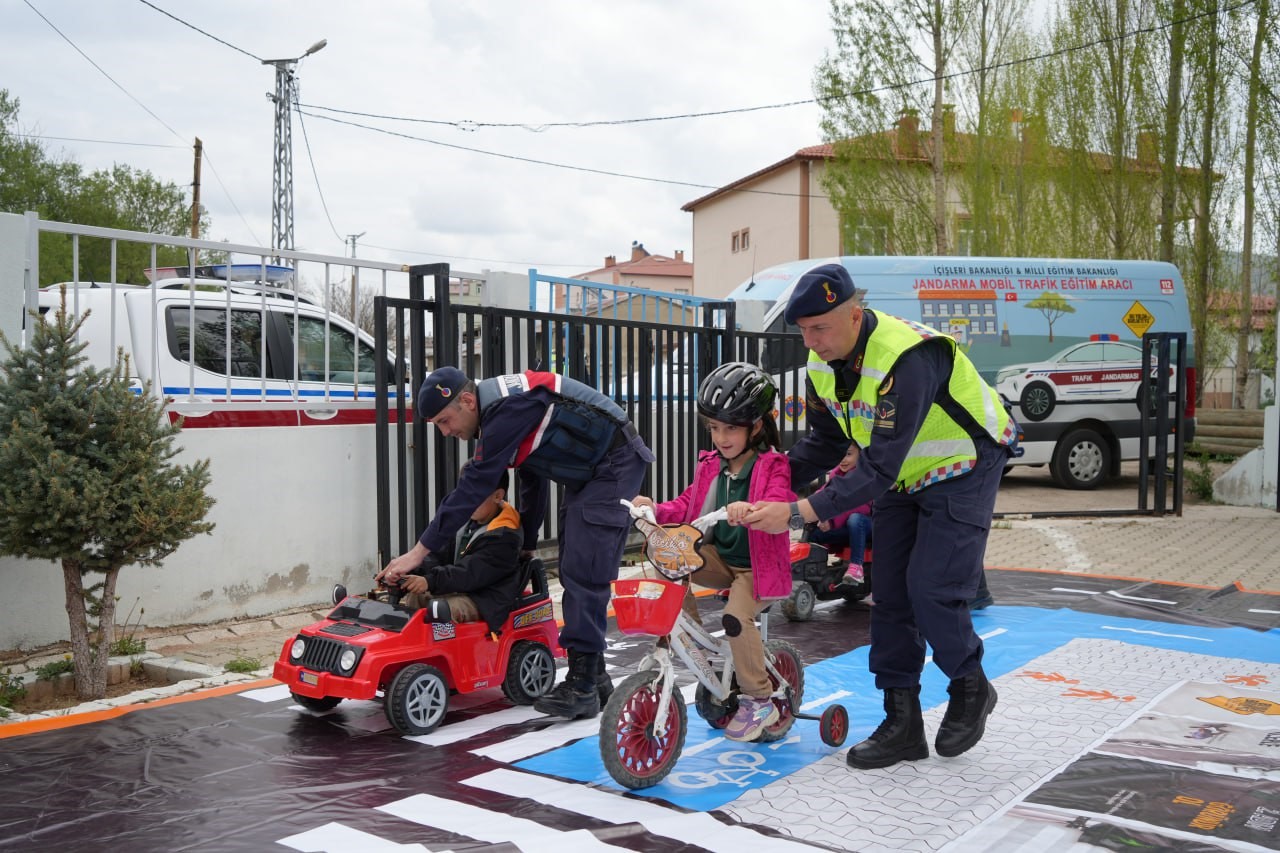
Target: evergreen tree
{"x": 87, "y": 479}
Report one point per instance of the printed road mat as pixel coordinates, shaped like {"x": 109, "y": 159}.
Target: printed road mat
{"x": 1130, "y": 716}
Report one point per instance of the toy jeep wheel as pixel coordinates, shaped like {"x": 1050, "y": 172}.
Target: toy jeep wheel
{"x": 317, "y": 706}
{"x": 799, "y": 607}
{"x": 417, "y": 699}
{"x": 531, "y": 672}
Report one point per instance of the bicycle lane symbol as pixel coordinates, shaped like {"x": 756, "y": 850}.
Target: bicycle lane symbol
{"x": 737, "y": 767}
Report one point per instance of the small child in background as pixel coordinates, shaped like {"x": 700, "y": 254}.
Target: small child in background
{"x": 854, "y": 524}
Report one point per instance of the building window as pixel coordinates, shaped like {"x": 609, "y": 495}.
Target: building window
{"x": 736, "y": 241}
{"x": 866, "y": 235}
{"x": 989, "y": 309}
{"x": 928, "y": 309}
{"x": 964, "y": 236}
{"x": 746, "y": 239}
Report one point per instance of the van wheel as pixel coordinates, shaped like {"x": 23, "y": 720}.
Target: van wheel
{"x": 1037, "y": 401}
{"x": 1081, "y": 460}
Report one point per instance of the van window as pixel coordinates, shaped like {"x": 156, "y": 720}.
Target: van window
{"x": 343, "y": 352}
{"x": 242, "y": 358}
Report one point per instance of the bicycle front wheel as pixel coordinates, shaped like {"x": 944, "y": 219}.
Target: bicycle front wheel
{"x": 634, "y": 756}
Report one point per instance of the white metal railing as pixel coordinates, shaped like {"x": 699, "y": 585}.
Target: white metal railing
{"x": 387, "y": 279}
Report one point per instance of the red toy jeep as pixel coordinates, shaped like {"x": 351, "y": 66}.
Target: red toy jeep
{"x": 366, "y": 648}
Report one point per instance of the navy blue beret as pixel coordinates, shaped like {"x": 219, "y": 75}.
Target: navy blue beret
{"x": 439, "y": 390}
{"x": 818, "y": 291}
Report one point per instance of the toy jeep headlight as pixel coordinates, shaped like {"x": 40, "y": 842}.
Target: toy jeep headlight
{"x": 298, "y": 649}
{"x": 347, "y": 660}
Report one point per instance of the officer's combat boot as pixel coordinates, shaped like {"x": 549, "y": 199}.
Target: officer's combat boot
{"x": 604, "y": 684}
{"x": 899, "y": 738}
{"x": 577, "y": 696}
{"x": 972, "y": 698}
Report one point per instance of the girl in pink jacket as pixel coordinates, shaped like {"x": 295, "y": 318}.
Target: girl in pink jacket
{"x": 736, "y": 403}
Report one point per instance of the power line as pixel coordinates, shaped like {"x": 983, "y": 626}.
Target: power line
{"x": 100, "y": 70}
{"x": 519, "y": 159}
{"x": 468, "y": 125}
{"x": 97, "y": 141}
{"x": 208, "y": 160}
{"x": 465, "y": 258}
{"x": 200, "y": 31}
{"x": 315, "y": 174}
{"x": 148, "y": 111}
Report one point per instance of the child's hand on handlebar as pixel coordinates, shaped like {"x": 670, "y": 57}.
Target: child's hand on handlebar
{"x": 736, "y": 512}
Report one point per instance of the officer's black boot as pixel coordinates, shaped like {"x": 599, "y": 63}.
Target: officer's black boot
{"x": 604, "y": 684}
{"x": 577, "y": 696}
{"x": 899, "y": 738}
{"x": 972, "y": 698}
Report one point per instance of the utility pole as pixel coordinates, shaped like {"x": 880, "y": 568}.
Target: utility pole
{"x": 195, "y": 201}
{"x": 351, "y": 238}
{"x": 286, "y": 95}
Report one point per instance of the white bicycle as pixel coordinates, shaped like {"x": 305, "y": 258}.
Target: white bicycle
{"x": 644, "y": 723}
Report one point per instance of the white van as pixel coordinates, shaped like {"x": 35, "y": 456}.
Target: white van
{"x": 1059, "y": 339}
{"x": 246, "y": 350}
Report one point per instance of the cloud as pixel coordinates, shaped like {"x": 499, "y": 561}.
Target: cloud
{"x": 500, "y": 61}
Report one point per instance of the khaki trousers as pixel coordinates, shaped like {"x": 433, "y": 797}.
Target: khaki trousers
{"x": 748, "y": 650}
{"x": 461, "y": 607}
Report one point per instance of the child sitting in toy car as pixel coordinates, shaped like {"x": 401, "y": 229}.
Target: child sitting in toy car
{"x": 486, "y": 578}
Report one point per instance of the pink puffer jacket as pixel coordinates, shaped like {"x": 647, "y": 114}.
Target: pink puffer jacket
{"x": 770, "y": 481}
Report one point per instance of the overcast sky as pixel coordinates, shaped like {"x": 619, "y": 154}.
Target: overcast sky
{"x": 489, "y": 61}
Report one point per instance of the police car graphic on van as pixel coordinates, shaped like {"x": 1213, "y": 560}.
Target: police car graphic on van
{"x": 1028, "y": 325}
{"x": 1102, "y": 368}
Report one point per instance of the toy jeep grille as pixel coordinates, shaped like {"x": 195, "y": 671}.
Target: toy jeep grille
{"x": 345, "y": 629}
{"x": 322, "y": 654}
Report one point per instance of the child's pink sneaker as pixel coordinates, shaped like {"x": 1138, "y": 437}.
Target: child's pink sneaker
{"x": 853, "y": 575}
{"x": 752, "y": 717}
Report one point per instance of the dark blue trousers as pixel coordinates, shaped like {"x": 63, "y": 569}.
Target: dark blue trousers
{"x": 929, "y": 550}
{"x": 593, "y": 536}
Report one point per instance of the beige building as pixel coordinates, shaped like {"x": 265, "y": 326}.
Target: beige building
{"x": 781, "y": 213}
{"x": 777, "y": 214}
{"x": 643, "y": 269}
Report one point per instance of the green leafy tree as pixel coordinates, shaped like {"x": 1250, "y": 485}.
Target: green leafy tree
{"x": 1052, "y": 306}
{"x": 87, "y": 478}
{"x": 120, "y": 197}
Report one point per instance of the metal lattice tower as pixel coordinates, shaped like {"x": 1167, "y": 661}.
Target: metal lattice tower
{"x": 285, "y": 97}
{"x": 282, "y": 172}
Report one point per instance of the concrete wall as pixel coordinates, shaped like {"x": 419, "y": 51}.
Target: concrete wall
{"x": 13, "y": 262}
{"x": 1252, "y": 480}
{"x": 296, "y": 512}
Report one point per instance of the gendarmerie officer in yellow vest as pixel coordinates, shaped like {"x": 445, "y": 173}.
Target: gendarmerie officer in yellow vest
{"x": 935, "y": 441}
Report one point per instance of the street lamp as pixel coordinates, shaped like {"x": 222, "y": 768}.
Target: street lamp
{"x": 286, "y": 95}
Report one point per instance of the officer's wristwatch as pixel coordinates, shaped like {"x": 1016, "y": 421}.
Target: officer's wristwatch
{"x": 797, "y": 520}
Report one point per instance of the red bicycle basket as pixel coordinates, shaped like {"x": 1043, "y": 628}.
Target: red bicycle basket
{"x": 645, "y": 606}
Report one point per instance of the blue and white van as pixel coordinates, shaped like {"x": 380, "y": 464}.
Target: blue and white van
{"x": 1060, "y": 339}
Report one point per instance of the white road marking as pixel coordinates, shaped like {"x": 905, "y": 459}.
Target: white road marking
{"x": 1256, "y": 610}
{"x": 336, "y": 838}
{"x": 825, "y": 700}
{"x": 267, "y": 694}
{"x": 1066, "y": 544}
{"x": 533, "y": 743}
{"x": 1121, "y": 595}
{"x": 1076, "y": 591}
{"x": 697, "y": 828}
{"x": 464, "y": 729}
{"x": 494, "y": 827}
{"x": 1156, "y": 633}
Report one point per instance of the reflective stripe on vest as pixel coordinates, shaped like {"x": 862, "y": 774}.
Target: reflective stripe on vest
{"x": 574, "y": 433}
{"x": 943, "y": 448}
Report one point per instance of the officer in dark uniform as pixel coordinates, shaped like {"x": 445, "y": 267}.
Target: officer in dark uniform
{"x": 551, "y": 428}
{"x": 935, "y": 441}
